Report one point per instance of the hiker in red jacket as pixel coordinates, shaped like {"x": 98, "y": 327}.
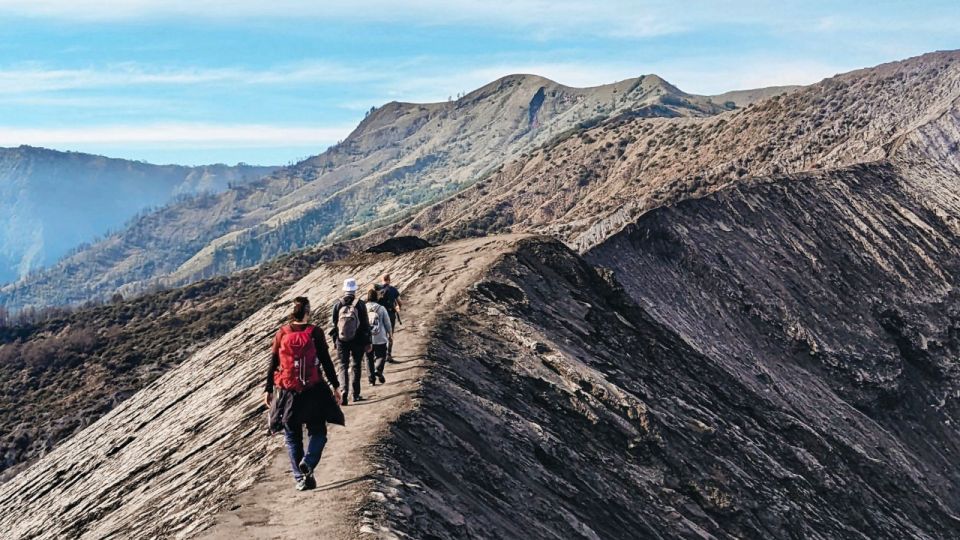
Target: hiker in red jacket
{"x": 303, "y": 397}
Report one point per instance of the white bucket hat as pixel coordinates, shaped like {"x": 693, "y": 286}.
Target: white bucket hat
{"x": 350, "y": 285}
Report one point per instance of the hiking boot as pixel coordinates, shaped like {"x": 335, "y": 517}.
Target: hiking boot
{"x": 359, "y": 398}
{"x": 344, "y": 401}
{"x": 373, "y": 382}
{"x": 305, "y": 468}
{"x": 311, "y": 482}
{"x": 380, "y": 376}
{"x": 302, "y": 484}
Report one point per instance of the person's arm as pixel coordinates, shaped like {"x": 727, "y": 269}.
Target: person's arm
{"x": 364, "y": 328}
{"x": 397, "y": 302}
{"x": 323, "y": 354}
{"x": 271, "y": 368}
{"x": 385, "y": 320}
{"x": 334, "y": 316}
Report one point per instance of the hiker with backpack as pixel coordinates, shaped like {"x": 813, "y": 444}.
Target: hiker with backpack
{"x": 303, "y": 397}
{"x": 351, "y": 337}
{"x": 381, "y": 332}
{"x": 389, "y": 298}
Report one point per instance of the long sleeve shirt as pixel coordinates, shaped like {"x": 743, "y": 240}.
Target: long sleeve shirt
{"x": 323, "y": 354}
{"x": 376, "y": 310}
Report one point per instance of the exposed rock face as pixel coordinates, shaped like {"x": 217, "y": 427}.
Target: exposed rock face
{"x": 553, "y": 406}
{"x": 53, "y": 372}
{"x": 401, "y": 156}
{"x": 52, "y": 202}
{"x": 558, "y": 409}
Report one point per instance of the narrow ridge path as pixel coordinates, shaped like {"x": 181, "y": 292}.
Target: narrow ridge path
{"x": 431, "y": 281}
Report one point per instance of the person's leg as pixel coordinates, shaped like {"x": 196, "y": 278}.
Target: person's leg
{"x": 343, "y": 370}
{"x": 371, "y": 368}
{"x": 393, "y": 325}
{"x": 318, "y": 439}
{"x": 356, "y": 368}
{"x": 380, "y": 352}
{"x": 294, "y": 440}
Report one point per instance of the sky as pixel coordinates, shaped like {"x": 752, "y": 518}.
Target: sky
{"x": 218, "y": 81}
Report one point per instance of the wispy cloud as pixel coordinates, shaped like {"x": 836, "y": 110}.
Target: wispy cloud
{"x": 628, "y": 18}
{"x": 171, "y": 135}
{"x": 37, "y": 78}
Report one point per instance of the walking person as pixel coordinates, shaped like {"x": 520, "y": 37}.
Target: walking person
{"x": 351, "y": 337}
{"x": 303, "y": 397}
{"x": 381, "y": 332}
{"x": 390, "y": 299}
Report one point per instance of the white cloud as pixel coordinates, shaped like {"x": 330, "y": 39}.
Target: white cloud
{"x": 176, "y": 135}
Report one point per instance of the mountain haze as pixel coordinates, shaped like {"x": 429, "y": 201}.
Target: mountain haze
{"x": 52, "y": 202}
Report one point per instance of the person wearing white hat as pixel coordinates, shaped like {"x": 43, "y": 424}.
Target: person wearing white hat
{"x": 350, "y": 330}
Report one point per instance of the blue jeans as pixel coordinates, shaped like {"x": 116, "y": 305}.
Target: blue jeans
{"x": 294, "y": 438}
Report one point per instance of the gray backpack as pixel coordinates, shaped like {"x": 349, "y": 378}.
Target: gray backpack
{"x": 373, "y": 314}
{"x": 348, "y": 321}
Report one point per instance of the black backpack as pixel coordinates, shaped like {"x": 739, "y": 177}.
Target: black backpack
{"x": 385, "y": 298}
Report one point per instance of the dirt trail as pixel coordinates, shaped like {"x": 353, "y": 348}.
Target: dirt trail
{"x": 272, "y": 508}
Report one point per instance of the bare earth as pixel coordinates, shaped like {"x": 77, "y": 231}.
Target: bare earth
{"x": 273, "y": 508}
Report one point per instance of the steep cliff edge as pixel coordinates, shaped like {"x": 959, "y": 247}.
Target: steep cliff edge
{"x": 765, "y": 353}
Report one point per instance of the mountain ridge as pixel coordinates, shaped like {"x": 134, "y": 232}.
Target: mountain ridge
{"x": 603, "y": 179}
{"x": 399, "y": 157}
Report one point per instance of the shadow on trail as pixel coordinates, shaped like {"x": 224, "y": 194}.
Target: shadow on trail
{"x": 379, "y": 399}
{"x": 398, "y": 370}
{"x": 342, "y": 483}
{"x": 407, "y": 359}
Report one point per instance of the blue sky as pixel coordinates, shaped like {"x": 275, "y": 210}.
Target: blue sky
{"x": 202, "y": 81}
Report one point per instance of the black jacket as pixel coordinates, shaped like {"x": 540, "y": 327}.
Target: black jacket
{"x": 363, "y": 330}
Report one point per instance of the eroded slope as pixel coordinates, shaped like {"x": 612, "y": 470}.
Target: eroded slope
{"x": 588, "y": 187}
{"x": 557, "y": 408}
{"x": 165, "y": 461}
